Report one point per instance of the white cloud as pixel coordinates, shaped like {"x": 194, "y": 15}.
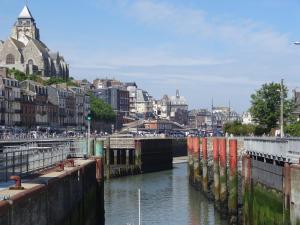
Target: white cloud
{"x": 188, "y": 21}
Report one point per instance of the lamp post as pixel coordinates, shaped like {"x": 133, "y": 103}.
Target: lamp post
{"x": 89, "y": 118}
{"x": 281, "y": 109}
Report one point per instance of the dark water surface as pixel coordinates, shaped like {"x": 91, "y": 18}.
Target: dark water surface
{"x": 166, "y": 198}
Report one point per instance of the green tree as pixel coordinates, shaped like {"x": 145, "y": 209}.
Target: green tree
{"x": 265, "y": 105}
{"x": 238, "y": 129}
{"x": 293, "y": 129}
{"x": 101, "y": 111}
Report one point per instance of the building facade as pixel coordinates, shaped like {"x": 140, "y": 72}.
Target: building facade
{"x": 36, "y": 94}
{"x": 10, "y": 95}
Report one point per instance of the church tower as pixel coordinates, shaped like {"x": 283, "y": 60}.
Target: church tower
{"x": 25, "y": 27}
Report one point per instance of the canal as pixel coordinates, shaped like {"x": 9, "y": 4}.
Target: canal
{"x": 166, "y": 198}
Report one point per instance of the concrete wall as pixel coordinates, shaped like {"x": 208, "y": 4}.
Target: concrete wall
{"x": 179, "y": 147}
{"x": 154, "y": 154}
{"x": 72, "y": 198}
{"x": 295, "y": 195}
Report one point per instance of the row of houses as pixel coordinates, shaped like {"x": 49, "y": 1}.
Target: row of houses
{"x": 131, "y": 102}
{"x": 30, "y": 104}
{"x": 215, "y": 118}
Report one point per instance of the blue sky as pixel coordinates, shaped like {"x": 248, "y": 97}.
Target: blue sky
{"x": 207, "y": 49}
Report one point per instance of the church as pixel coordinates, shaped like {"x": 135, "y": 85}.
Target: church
{"x": 24, "y": 50}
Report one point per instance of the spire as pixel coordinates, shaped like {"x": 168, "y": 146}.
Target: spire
{"x": 177, "y": 94}
{"x": 25, "y": 14}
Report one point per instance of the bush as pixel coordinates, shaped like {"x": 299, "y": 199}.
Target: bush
{"x": 293, "y": 129}
{"x": 238, "y": 129}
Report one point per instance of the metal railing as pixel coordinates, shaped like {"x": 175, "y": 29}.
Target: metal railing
{"x": 27, "y": 160}
{"x": 286, "y": 149}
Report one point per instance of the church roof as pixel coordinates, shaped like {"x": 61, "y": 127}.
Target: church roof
{"x": 40, "y": 46}
{"x": 17, "y": 43}
{"x": 25, "y": 14}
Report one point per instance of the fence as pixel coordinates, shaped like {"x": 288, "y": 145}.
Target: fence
{"x": 29, "y": 159}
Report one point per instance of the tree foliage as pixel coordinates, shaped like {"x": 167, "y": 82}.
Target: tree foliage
{"x": 238, "y": 129}
{"x": 293, "y": 129}
{"x": 101, "y": 111}
{"x": 265, "y": 105}
{"x": 20, "y": 76}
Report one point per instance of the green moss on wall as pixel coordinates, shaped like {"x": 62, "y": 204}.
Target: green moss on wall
{"x": 267, "y": 206}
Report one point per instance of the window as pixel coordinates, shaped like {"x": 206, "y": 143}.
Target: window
{"x": 10, "y": 59}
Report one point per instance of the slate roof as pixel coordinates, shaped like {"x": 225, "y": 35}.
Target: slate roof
{"x": 25, "y": 13}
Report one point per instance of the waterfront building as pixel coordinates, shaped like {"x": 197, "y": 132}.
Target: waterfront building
{"x": 118, "y": 98}
{"x": 173, "y": 108}
{"x": 222, "y": 115}
{"x": 131, "y": 88}
{"x": 144, "y": 103}
{"x": 199, "y": 118}
{"x": 79, "y": 106}
{"x": 38, "y": 95}
{"x": 247, "y": 118}
{"x": 106, "y": 83}
{"x": 57, "y": 97}
{"x": 25, "y": 51}
{"x": 10, "y": 106}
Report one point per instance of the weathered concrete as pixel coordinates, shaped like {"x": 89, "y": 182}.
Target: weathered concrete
{"x": 204, "y": 166}
{"x": 72, "y": 196}
{"x": 216, "y": 171}
{"x": 295, "y": 195}
{"x": 233, "y": 183}
{"x": 223, "y": 176}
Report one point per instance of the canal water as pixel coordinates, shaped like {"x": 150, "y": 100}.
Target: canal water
{"x": 166, "y": 198}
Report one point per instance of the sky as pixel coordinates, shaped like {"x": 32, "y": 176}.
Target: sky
{"x": 220, "y": 50}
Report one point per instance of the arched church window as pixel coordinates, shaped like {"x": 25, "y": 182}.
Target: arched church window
{"x": 10, "y": 59}
{"x": 30, "y": 62}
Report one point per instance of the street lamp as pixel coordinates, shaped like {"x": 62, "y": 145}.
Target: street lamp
{"x": 281, "y": 109}
{"x": 88, "y": 118}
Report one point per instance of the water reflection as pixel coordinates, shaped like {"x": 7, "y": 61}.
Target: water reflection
{"x": 166, "y": 198}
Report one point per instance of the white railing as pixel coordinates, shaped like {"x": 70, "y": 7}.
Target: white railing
{"x": 287, "y": 150}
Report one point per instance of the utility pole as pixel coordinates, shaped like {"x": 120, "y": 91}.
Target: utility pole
{"x": 212, "y": 114}
{"x": 281, "y": 109}
{"x": 229, "y": 112}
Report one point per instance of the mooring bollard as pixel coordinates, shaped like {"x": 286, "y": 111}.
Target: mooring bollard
{"x": 233, "y": 183}
{"x": 70, "y": 162}
{"x": 216, "y": 170}
{"x": 18, "y": 184}
{"x": 223, "y": 176}
{"x": 204, "y": 166}
{"x": 61, "y": 167}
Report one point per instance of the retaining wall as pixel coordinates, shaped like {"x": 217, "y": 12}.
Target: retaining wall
{"x": 70, "y": 197}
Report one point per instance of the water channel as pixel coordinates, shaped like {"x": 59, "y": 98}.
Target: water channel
{"x": 166, "y": 198}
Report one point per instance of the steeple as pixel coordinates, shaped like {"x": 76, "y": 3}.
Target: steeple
{"x": 25, "y": 13}
{"x": 25, "y": 27}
